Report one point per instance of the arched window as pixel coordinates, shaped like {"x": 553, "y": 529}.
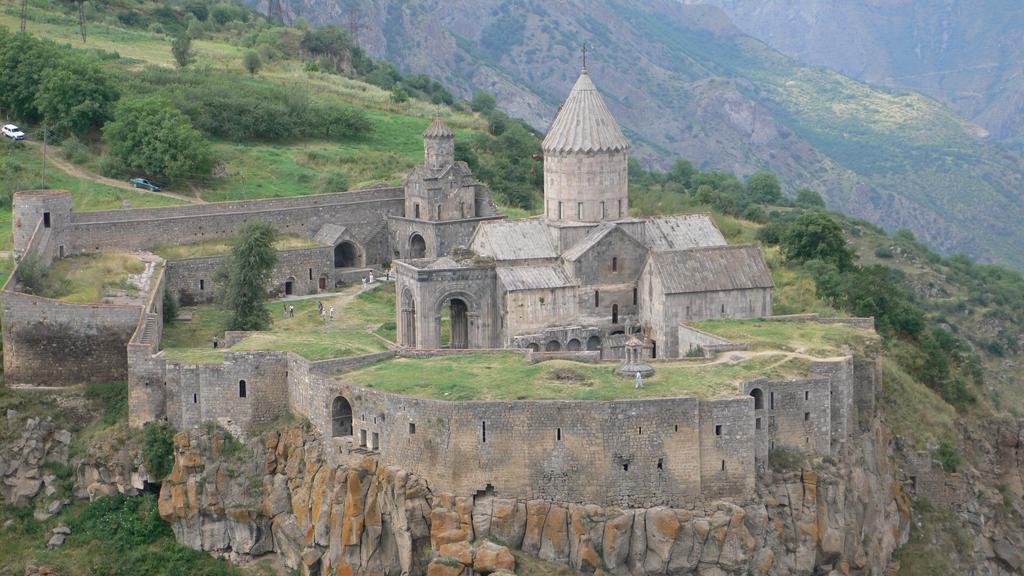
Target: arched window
{"x": 615, "y": 313}
{"x": 241, "y": 389}
{"x": 341, "y": 417}
{"x": 615, "y": 263}
{"x": 597, "y": 298}
{"x": 758, "y": 398}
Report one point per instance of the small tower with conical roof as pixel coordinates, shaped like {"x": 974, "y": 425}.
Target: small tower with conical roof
{"x": 438, "y": 145}
{"x": 585, "y": 160}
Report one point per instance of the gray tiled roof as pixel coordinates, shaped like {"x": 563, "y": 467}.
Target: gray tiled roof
{"x": 584, "y": 124}
{"x": 682, "y": 232}
{"x": 514, "y": 240}
{"x": 534, "y": 277}
{"x": 438, "y": 129}
{"x": 710, "y": 269}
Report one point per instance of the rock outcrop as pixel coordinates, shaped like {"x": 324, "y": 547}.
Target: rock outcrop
{"x": 278, "y": 494}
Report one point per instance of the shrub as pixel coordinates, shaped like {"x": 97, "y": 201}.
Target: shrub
{"x": 75, "y": 151}
{"x": 181, "y": 49}
{"x": 121, "y": 521}
{"x": 32, "y": 271}
{"x": 949, "y": 456}
{"x": 785, "y": 459}
{"x": 171, "y": 307}
{"x": 252, "y": 62}
{"x": 695, "y": 351}
{"x": 158, "y": 450}
{"x": 332, "y": 182}
{"x": 883, "y": 251}
{"x": 113, "y": 397}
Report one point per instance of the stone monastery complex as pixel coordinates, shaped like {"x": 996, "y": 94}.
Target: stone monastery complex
{"x": 584, "y": 281}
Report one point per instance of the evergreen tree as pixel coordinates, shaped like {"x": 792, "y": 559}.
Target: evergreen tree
{"x": 181, "y": 48}
{"x": 252, "y": 62}
{"x": 248, "y": 271}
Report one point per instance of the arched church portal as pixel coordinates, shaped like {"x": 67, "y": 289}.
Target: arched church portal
{"x": 459, "y": 323}
{"x": 346, "y": 255}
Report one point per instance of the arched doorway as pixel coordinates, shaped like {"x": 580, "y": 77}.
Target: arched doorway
{"x": 417, "y": 246}
{"x": 573, "y": 345}
{"x": 459, "y": 324}
{"x": 408, "y": 320}
{"x": 534, "y": 347}
{"x": 345, "y": 255}
{"x": 758, "y": 398}
{"x": 594, "y": 343}
{"x": 289, "y": 286}
{"x": 341, "y": 417}
{"x": 615, "y": 313}
{"x": 553, "y": 346}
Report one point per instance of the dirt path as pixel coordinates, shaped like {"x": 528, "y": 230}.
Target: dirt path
{"x": 53, "y": 157}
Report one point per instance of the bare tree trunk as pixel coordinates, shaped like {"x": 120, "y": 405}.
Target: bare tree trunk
{"x": 81, "y": 18}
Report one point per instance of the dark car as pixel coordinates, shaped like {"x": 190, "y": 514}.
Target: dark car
{"x": 143, "y": 183}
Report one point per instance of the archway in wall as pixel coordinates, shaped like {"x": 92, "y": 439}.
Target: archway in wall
{"x": 758, "y": 398}
{"x": 341, "y": 417}
{"x": 346, "y": 255}
{"x": 408, "y": 320}
{"x": 459, "y": 324}
{"x": 594, "y": 343}
{"x": 289, "y": 286}
{"x": 534, "y": 347}
{"x": 417, "y": 246}
{"x": 573, "y": 345}
{"x": 553, "y": 346}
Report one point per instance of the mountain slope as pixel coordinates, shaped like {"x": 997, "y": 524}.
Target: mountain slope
{"x": 965, "y": 53}
{"x": 684, "y": 81}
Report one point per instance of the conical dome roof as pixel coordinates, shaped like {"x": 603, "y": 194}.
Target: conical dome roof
{"x": 438, "y": 129}
{"x": 584, "y": 124}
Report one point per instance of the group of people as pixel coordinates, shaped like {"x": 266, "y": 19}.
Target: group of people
{"x": 325, "y": 312}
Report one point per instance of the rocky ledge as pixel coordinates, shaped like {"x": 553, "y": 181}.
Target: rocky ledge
{"x": 279, "y": 495}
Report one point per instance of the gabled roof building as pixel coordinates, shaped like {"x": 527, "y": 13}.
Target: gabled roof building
{"x": 585, "y": 275}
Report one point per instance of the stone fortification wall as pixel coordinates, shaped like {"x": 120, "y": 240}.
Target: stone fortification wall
{"x": 793, "y": 414}
{"x": 439, "y": 237}
{"x": 36, "y": 211}
{"x": 52, "y": 343}
{"x": 843, "y": 411}
{"x": 691, "y": 339}
{"x": 193, "y": 280}
{"x": 363, "y": 212}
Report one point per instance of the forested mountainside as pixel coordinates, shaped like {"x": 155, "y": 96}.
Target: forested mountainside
{"x": 684, "y": 81}
{"x": 967, "y": 54}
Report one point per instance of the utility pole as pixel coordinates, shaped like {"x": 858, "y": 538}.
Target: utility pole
{"x": 81, "y": 18}
{"x": 42, "y": 177}
{"x": 24, "y": 13}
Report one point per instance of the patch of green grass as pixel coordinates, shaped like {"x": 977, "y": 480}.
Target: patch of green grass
{"x": 223, "y": 246}
{"x": 915, "y": 411}
{"x": 113, "y": 398}
{"x": 811, "y": 338}
{"x": 506, "y": 376}
{"x": 92, "y": 277}
{"x": 349, "y": 334}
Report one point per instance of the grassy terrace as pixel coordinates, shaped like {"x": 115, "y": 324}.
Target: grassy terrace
{"x": 223, "y": 246}
{"x": 809, "y": 338}
{"x": 506, "y": 376}
{"x": 92, "y": 277}
{"x": 357, "y": 316}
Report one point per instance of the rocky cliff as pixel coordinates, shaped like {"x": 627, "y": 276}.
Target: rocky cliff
{"x": 279, "y": 494}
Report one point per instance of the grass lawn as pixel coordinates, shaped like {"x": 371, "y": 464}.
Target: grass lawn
{"x": 223, "y": 246}
{"x": 506, "y": 376}
{"x": 91, "y": 277}
{"x": 811, "y": 338}
{"x": 349, "y": 334}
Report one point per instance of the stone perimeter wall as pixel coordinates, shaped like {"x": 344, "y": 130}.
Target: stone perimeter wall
{"x": 670, "y": 451}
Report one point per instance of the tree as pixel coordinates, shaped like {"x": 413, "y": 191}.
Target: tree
{"x": 483, "y": 102}
{"x": 816, "y": 236}
{"x": 399, "y": 95}
{"x": 76, "y": 94}
{"x": 252, "y": 61}
{"x": 764, "y": 188}
{"x": 808, "y": 198}
{"x": 248, "y": 271}
{"x": 150, "y": 136}
{"x": 181, "y": 48}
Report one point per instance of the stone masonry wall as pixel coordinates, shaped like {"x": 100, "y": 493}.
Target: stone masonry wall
{"x": 192, "y": 280}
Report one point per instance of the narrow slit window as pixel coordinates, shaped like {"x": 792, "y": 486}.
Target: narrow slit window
{"x": 241, "y": 389}
{"x": 639, "y": 430}
{"x": 558, "y": 434}
{"x": 807, "y": 395}
{"x": 202, "y": 284}
{"x": 195, "y": 398}
{"x": 483, "y": 431}
{"x": 615, "y": 263}
{"x": 634, "y": 297}
{"x": 661, "y": 464}
{"x": 723, "y": 465}
{"x": 597, "y": 298}
{"x": 807, "y": 416}
{"x": 718, "y": 429}
{"x": 677, "y": 427}
{"x": 412, "y": 427}
{"x": 757, "y": 424}
{"x": 579, "y": 210}
{"x": 46, "y": 219}
{"x": 310, "y": 273}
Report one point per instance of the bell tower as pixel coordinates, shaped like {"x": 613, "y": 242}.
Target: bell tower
{"x": 438, "y": 145}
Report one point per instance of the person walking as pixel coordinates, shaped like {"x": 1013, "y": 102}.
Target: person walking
{"x": 332, "y": 312}
{"x": 639, "y": 380}
{"x": 291, "y": 311}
